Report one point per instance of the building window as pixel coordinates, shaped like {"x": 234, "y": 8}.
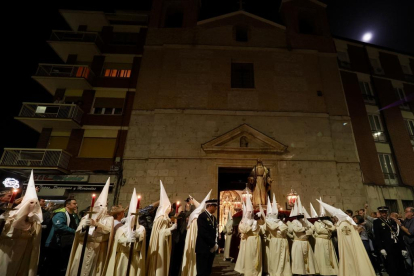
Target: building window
{"x": 387, "y": 166}
{"x": 117, "y": 73}
{"x": 108, "y": 106}
{"x": 377, "y": 128}
{"x": 367, "y": 92}
{"x": 94, "y": 147}
{"x": 241, "y": 33}
{"x": 392, "y": 204}
{"x": 401, "y": 95}
{"x": 410, "y": 127}
{"x": 376, "y": 66}
{"x": 343, "y": 60}
{"x": 407, "y": 203}
{"x": 242, "y": 75}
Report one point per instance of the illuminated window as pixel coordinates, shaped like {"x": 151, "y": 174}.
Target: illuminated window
{"x": 376, "y": 128}
{"x": 117, "y": 73}
{"x": 97, "y": 147}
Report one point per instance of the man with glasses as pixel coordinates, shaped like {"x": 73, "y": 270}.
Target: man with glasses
{"x": 407, "y": 226}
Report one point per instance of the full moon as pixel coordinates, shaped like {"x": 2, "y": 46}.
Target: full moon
{"x": 367, "y": 37}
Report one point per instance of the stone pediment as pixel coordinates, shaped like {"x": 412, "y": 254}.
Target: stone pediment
{"x": 244, "y": 139}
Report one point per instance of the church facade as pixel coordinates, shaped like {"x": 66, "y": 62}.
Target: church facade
{"x": 226, "y": 91}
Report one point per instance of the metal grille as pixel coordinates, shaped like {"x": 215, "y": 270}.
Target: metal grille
{"x": 35, "y": 158}
{"x": 42, "y": 110}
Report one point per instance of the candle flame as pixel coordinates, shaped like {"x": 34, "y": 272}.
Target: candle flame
{"x": 93, "y": 195}
{"x": 178, "y": 203}
{"x": 139, "y": 196}
{"x": 14, "y": 190}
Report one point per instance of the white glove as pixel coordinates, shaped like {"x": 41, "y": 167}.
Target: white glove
{"x": 404, "y": 253}
{"x": 173, "y": 227}
{"x": 88, "y": 222}
{"x": 383, "y": 252}
{"x": 214, "y": 249}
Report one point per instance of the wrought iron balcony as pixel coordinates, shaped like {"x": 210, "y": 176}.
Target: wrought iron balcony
{"x": 54, "y": 76}
{"x": 46, "y": 115}
{"x": 369, "y": 99}
{"x": 48, "y": 159}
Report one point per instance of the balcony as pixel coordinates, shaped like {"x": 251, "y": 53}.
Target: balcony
{"x": 84, "y": 44}
{"x": 405, "y": 106}
{"x": 369, "y": 99}
{"x": 391, "y": 178}
{"x": 344, "y": 64}
{"x": 54, "y": 76}
{"x": 379, "y": 136}
{"x": 56, "y": 116}
{"x": 46, "y": 160}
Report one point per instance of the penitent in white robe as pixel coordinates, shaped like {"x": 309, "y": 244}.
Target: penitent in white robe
{"x": 353, "y": 258}
{"x": 228, "y": 231}
{"x": 118, "y": 261}
{"x": 251, "y": 255}
{"x": 97, "y": 248}
{"x": 303, "y": 259}
{"x": 19, "y": 249}
{"x": 278, "y": 255}
{"x": 188, "y": 266}
{"x": 325, "y": 254}
{"x": 159, "y": 248}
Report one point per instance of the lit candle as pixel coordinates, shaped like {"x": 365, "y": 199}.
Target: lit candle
{"x": 93, "y": 200}
{"x": 176, "y": 208}
{"x": 139, "y": 200}
{"x": 13, "y": 196}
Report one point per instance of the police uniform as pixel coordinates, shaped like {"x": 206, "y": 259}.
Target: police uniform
{"x": 206, "y": 240}
{"x": 386, "y": 233}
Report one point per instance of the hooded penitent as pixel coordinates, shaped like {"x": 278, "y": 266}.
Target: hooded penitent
{"x": 188, "y": 266}
{"x": 21, "y": 236}
{"x": 119, "y": 259}
{"x": 313, "y": 211}
{"x": 321, "y": 209}
{"x": 165, "y": 204}
{"x": 335, "y": 212}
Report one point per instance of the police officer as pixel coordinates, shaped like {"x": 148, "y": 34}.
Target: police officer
{"x": 391, "y": 247}
{"x": 206, "y": 243}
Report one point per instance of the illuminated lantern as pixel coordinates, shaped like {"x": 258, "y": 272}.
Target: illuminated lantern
{"x": 291, "y": 197}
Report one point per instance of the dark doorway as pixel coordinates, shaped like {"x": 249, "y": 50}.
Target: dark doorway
{"x": 231, "y": 179}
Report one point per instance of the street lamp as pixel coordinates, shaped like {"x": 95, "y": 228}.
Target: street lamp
{"x": 291, "y": 197}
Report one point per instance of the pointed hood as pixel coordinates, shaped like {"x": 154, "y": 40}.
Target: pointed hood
{"x": 300, "y": 207}
{"x": 131, "y": 210}
{"x": 313, "y": 211}
{"x": 269, "y": 210}
{"x": 102, "y": 200}
{"x": 321, "y": 209}
{"x": 249, "y": 207}
{"x": 294, "y": 211}
{"x": 165, "y": 204}
{"x": 335, "y": 212}
{"x": 101, "y": 203}
{"x": 275, "y": 211}
{"x": 305, "y": 213}
{"x": 29, "y": 207}
{"x": 196, "y": 203}
{"x": 201, "y": 208}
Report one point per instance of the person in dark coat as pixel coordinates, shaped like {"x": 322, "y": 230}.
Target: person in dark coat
{"x": 206, "y": 243}
{"x": 390, "y": 246}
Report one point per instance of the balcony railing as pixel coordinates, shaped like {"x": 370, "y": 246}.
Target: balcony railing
{"x": 63, "y": 70}
{"x": 391, "y": 178}
{"x": 59, "y": 111}
{"x": 344, "y": 64}
{"x": 369, "y": 99}
{"x": 29, "y": 158}
{"x": 379, "y": 136}
{"x": 71, "y": 36}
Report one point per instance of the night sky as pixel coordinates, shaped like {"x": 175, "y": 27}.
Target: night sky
{"x": 32, "y": 23}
